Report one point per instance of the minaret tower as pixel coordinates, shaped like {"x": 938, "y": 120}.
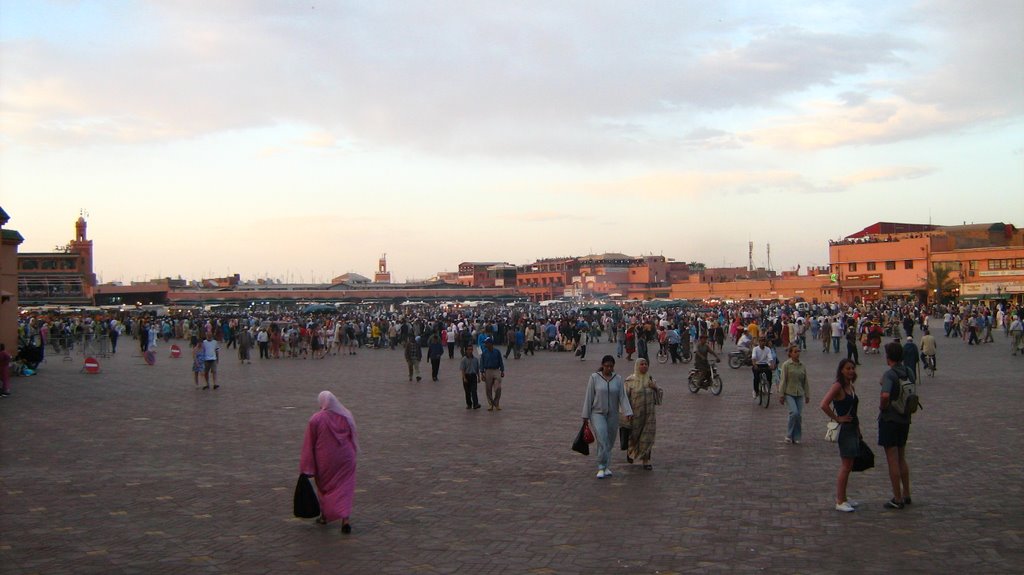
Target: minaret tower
{"x": 82, "y": 246}
{"x": 383, "y": 276}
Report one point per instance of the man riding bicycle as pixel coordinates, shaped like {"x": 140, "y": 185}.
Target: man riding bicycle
{"x": 673, "y": 338}
{"x": 700, "y": 361}
{"x": 763, "y": 360}
{"x": 928, "y": 347}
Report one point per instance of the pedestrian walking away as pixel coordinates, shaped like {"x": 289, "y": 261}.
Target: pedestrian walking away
{"x": 329, "y": 452}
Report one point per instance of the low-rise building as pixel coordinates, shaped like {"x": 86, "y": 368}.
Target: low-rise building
{"x": 475, "y": 274}
{"x": 546, "y": 279}
{"x": 63, "y": 276}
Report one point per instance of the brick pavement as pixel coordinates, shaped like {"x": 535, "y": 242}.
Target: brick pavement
{"x": 134, "y": 471}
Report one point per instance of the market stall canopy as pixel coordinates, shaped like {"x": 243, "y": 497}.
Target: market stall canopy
{"x": 666, "y": 303}
{"x": 600, "y": 307}
{"x": 319, "y": 308}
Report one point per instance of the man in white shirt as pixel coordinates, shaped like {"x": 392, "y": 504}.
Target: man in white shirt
{"x": 837, "y": 332}
{"x": 763, "y": 361}
{"x": 745, "y": 342}
{"x": 211, "y": 353}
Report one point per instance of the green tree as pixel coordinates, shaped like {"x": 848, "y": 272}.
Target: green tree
{"x": 940, "y": 285}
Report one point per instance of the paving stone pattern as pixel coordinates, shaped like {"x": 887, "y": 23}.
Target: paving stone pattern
{"x": 134, "y": 470}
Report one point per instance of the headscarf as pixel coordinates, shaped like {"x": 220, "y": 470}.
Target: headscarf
{"x": 639, "y": 380}
{"x": 328, "y": 402}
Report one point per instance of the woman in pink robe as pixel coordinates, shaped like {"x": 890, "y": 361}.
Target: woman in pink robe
{"x": 329, "y": 456}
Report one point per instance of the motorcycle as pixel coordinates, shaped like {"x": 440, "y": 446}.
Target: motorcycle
{"x": 738, "y": 358}
{"x": 714, "y": 383}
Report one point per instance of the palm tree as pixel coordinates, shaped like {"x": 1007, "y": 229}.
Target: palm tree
{"x": 940, "y": 285}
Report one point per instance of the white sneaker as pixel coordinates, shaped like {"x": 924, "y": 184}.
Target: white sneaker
{"x": 753, "y": 395}
{"x": 845, "y": 507}
{"x": 608, "y": 472}
{"x": 600, "y": 473}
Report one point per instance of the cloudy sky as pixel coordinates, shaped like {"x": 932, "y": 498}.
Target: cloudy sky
{"x": 301, "y": 140}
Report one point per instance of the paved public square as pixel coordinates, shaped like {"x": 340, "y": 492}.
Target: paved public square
{"x": 134, "y": 470}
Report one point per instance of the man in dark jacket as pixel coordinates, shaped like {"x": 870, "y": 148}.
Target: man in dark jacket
{"x": 911, "y": 357}
{"x": 413, "y": 355}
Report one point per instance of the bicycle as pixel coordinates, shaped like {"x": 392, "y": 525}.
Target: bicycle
{"x": 715, "y": 383}
{"x": 929, "y": 364}
{"x": 663, "y": 354}
{"x": 764, "y": 390}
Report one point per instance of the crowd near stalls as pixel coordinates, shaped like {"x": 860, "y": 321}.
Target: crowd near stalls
{"x": 521, "y": 329}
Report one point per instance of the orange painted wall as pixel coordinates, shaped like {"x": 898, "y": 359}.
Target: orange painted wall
{"x": 987, "y": 279}
{"x": 809, "y": 288}
{"x": 913, "y": 250}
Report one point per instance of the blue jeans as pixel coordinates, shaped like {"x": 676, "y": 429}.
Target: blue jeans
{"x": 606, "y": 429}
{"x": 795, "y": 403}
{"x": 835, "y": 344}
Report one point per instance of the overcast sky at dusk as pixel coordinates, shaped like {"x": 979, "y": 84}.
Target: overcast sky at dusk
{"x": 301, "y": 140}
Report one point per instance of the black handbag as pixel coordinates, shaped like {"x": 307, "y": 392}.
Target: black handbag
{"x": 580, "y": 444}
{"x": 305, "y": 502}
{"x": 624, "y": 433}
{"x": 865, "y": 458}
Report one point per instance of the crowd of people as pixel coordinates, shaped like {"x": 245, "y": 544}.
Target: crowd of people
{"x": 614, "y": 407}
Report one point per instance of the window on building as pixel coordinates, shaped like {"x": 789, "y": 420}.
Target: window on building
{"x": 871, "y": 266}
{"x": 972, "y": 265}
{"x": 853, "y": 266}
{"x": 890, "y": 265}
{"x": 1018, "y": 264}
{"x": 908, "y": 264}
